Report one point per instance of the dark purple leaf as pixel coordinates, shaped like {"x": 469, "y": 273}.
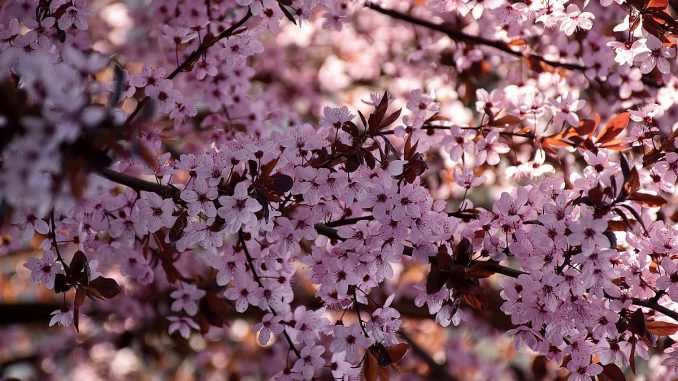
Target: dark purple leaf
{"x": 104, "y": 288}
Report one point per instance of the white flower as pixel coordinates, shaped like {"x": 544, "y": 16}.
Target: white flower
{"x": 62, "y": 316}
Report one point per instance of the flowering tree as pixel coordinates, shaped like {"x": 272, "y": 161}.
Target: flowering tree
{"x": 313, "y": 189}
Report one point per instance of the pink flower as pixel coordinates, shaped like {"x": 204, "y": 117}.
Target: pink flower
{"x": 489, "y": 148}
{"x": 183, "y": 325}
{"x": 566, "y": 110}
{"x": 310, "y": 361}
{"x": 575, "y": 19}
{"x": 149, "y": 79}
{"x": 646, "y": 113}
{"x": 588, "y": 233}
{"x": 186, "y": 297}
{"x": 243, "y": 292}
{"x": 74, "y": 16}
{"x": 44, "y": 271}
{"x": 39, "y": 36}
{"x": 200, "y": 198}
{"x": 350, "y": 340}
{"x": 63, "y": 316}
{"x": 30, "y": 222}
{"x": 668, "y": 168}
{"x": 606, "y": 327}
{"x": 579, "y": 372}
{"x": 489, "y": 102}
{"x": 656, "y": 55}
{"x": 458, "y": 142}
{"x": 669, "y": 281}
{"x": 385, "y": 322}
{"x": 627, "y": 51}
{"x": 269, "y": 324}
{"x": 239, "y": 209}
{"x": 467, "y": 179}
{"x": 156, "y": 212}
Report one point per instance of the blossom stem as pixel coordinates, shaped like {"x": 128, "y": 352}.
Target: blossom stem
{"x": 250, "y": 261}
{"x": 54, "y": 241}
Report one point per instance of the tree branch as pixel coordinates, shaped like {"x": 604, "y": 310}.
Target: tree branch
{"x": 189, "y": 61}
{"x": 437, "y": 369}
{"x": 137, "y": 184}
{"x": 250, "y": 261}
{"x": 463, "y": 37}
{"x": 322, "y": 229}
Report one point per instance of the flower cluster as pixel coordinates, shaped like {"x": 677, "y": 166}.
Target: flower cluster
{"x": 210, "y": 171}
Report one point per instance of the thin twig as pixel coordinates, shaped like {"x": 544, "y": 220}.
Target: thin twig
{"x": 54, "y": 241}
{"x": 461, "y": 36}
{"x": 189, "y": 61}
{"x": 250, "y": 261}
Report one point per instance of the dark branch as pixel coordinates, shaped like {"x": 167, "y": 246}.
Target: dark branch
{"x": 189, "y": 61}
{"x": 463, "y": 37}
{"x": 437, "y": 370}
{"x": 250, "y": 261}
{"x": 137, "y": 184}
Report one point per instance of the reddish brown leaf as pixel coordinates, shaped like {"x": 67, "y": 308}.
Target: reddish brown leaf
{"x": 613, "y": 127}
{"x": 517, "y": 42}
{"x": 648, "y": 200}
{"x": 383, "y": 374}
{"x": 615, "y": 145}
{"x": 104, "y": 288}
{"x": 463, "y": 252}
{"x": 657, "y": 4}
{"x": 481, "y": 270}
{"x": 267, "y": 168}
{"x": 633, "y": 183}
{"x": 215, "y": 309}
{"x": 540, "y": 367}
{"x": 473, "y": 301}
{"x": 436, "y": 279}
{"x": 661, "y": 328}
{"x": 612, "y": 372}
{"x": 586, "y": 127}
{"x": 370, "y": 367}
{"x": 632, "y": 357}
{"x": 390, "y": 119}
{"x": 78, "y": 264}
{"x": 397, "y": 352}
{"x": 637, "y": 323}
{"x": 374, "y": 120}
{"x": 77, "y": 302}
{"x": 177, "y": 230}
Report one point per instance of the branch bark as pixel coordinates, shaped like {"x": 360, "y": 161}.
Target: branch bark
{"x": 437, "y": 370}
{"x": 189, "y": 61}
{"x": 471, "y": 39}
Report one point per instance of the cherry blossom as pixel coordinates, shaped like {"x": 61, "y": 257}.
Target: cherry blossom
{"x": 489, "y": 148}
{"x": 349, "y": 339}
{"x": 44, "y": 271}
{"x": 63, "y": 316}
{"x": 297, "y": 190}
{"x": 182, "y": 325}
{"x": 238, "y": 209}
{"x": 669, "y": 280}
{"x": 186, "y": 298}
{"x": 575, "y": 19}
